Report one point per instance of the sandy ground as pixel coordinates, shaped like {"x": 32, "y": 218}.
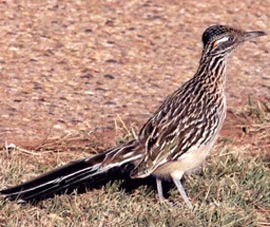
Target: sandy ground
{"x": 70, "y": 69}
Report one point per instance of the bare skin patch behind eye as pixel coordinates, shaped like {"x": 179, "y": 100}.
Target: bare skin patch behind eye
{"x": 224, "y": 39}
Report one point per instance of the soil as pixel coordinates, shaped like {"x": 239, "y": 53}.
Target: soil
{"x": 73, "y": 70}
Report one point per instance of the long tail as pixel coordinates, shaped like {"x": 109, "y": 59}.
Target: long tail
{"x": 74, "y": 174}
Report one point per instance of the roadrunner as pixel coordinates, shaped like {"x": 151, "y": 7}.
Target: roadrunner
{"x": 174, "y": 141}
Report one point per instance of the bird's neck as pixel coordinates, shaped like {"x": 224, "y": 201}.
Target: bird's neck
{"x": 212, "y": 70}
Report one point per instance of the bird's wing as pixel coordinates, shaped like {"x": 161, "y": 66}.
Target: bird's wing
{"x": 174, "y": 129}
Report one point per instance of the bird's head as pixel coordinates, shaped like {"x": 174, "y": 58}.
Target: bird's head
{"x": 219, "y": 39}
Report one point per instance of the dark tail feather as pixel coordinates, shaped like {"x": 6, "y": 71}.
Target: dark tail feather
{"x": 64, "y": 178}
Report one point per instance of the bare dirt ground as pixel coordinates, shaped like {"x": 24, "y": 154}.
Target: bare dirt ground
{"x": 71, "y": 69}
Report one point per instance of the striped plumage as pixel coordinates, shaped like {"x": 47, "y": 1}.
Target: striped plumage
{"x": 175, "y": 140}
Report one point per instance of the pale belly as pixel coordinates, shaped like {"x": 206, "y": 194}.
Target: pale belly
{"x": 187, "y": 163}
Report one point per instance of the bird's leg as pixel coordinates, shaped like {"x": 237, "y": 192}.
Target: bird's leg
{"x": 160, "y": 190}
{"x": 181, "y": 189}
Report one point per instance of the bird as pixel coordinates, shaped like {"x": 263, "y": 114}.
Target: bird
{"x": 174, "y": 141}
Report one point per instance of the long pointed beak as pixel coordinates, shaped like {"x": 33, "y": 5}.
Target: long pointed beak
{"x": 251, "y": 35}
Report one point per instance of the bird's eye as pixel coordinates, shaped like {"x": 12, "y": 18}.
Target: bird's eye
{"x": 231, "y": 38}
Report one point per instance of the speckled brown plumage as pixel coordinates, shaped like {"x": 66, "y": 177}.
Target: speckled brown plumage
{"x": 175, "y": 140}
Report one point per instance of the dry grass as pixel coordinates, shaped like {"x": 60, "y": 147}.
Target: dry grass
{"x": 233, "y": 189}
{"x": 260, "y": 126}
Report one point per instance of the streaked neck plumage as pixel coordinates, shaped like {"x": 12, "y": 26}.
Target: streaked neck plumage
{"x": 212, "y": 69}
